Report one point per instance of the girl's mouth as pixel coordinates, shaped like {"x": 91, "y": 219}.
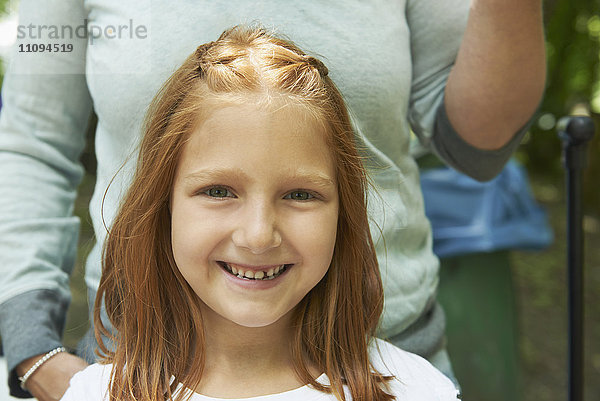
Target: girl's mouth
{"x": 259, "y": 275}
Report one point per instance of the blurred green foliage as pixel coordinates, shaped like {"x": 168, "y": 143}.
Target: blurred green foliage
{"x": 573, "y": 46}
{"x": 3, "y": 10}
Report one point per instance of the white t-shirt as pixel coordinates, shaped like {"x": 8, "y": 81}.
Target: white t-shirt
{"x": 415, "y": 380}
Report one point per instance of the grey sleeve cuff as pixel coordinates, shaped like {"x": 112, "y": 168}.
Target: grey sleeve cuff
{"x": 425, "y": 336}
{"x": 30, "y": 324}
{"x": 480, "y": 164}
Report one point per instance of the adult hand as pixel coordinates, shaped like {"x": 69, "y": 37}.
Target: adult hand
{"x": 50, "y": 381}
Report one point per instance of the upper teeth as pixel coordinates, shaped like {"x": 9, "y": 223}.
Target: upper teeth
{"x": 256, "y": 275}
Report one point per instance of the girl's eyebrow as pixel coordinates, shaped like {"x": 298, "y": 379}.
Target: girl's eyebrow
{"x": 316, "y": 178}
{"x": 216, "y": 173}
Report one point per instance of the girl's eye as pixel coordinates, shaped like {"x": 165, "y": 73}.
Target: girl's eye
{"x": 218, "y": 192}
{"x": 299, "y": 195}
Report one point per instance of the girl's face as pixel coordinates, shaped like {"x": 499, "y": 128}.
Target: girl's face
{"x": 254, "y": 212}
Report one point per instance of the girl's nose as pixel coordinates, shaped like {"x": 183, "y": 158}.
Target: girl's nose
{"x": 257, "y": 230}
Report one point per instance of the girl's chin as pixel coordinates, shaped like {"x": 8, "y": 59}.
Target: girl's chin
{"x": 247, "y": 319}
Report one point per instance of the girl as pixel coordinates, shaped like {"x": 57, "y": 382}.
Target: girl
{"x": 240, "y": 264}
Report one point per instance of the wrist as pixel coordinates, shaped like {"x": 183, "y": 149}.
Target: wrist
{"x": 27, "y": 368}
{"x": 24, "y": 366}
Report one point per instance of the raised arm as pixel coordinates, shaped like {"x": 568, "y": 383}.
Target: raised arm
{"x": 478, "y": 75}
{"x": 499, "y": 74}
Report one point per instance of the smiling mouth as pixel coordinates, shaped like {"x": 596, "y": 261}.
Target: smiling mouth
{"x": 257, "y": 275}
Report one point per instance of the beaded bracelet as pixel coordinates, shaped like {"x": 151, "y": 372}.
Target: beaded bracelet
{"x": 39, "y": 363}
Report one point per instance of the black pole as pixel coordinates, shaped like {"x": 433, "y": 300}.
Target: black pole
{"x": 575, "y": 135}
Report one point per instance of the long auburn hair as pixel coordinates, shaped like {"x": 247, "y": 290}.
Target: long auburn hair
{"x": 155, "y": 313}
